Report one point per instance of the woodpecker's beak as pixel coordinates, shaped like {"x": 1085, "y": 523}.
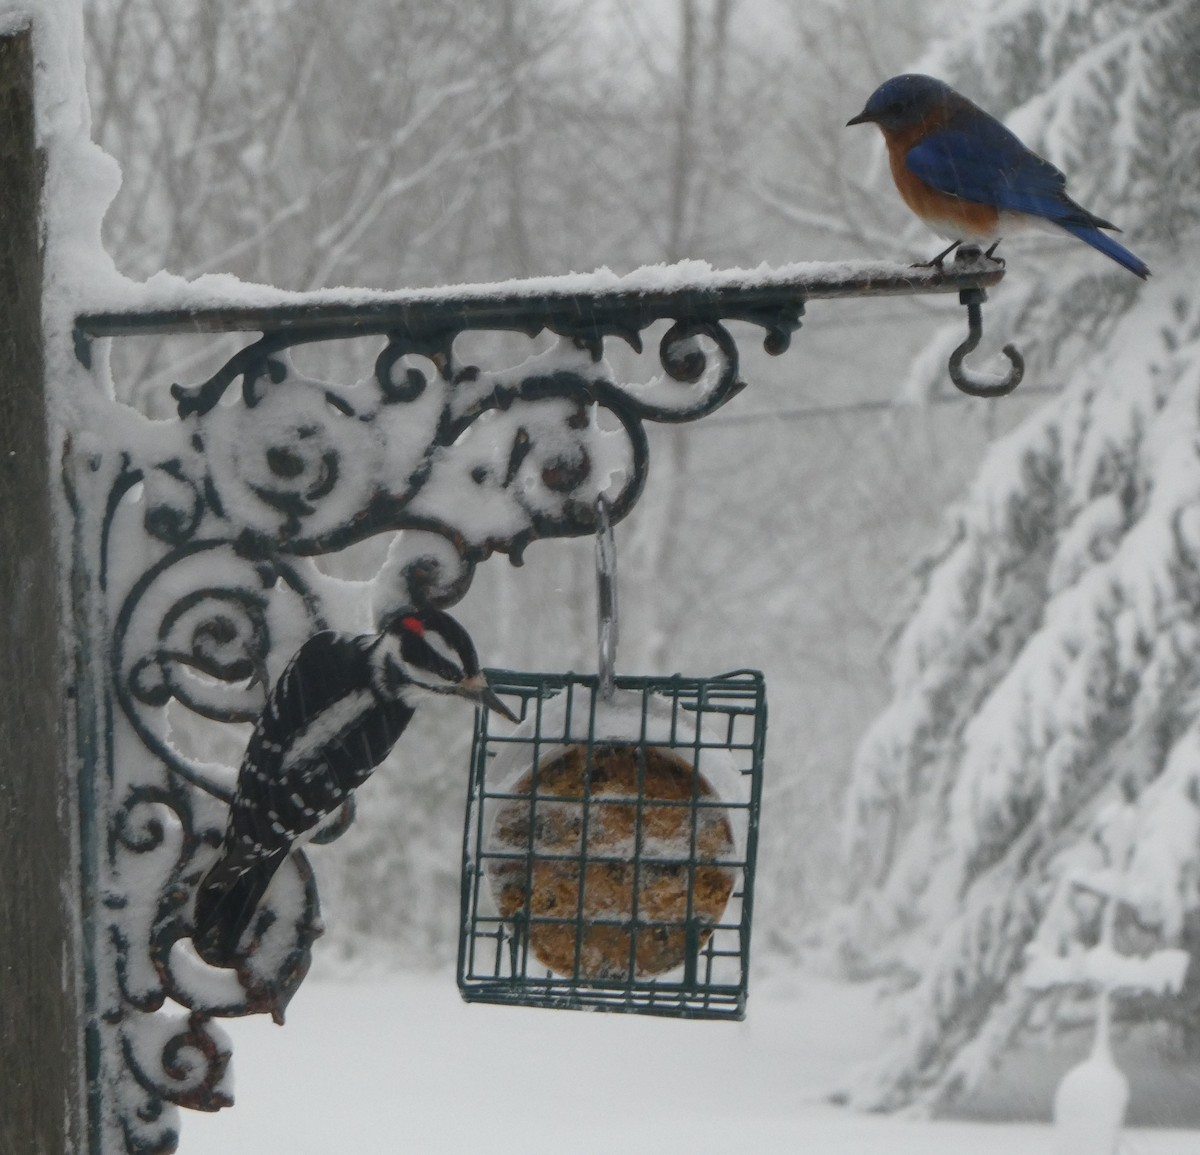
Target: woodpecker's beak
{"x": 477, "y": 689}
{"x": 861, "y": 118}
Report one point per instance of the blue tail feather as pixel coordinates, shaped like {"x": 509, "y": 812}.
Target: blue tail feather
{"x": 1107, "y": 246}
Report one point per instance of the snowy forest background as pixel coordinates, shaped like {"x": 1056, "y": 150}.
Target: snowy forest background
{"x": 980, "y": 622}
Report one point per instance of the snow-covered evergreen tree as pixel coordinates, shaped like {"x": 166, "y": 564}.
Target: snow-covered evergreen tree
{"x": 1051, "y": 661}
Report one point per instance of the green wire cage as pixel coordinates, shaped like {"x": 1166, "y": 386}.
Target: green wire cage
{"x": 610, "y": 841}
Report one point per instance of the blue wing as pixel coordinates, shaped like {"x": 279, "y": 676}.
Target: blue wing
{"x": 982, "y": 161}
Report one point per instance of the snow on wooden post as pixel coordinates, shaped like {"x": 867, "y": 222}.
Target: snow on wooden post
{"x": 38, "y": 1020}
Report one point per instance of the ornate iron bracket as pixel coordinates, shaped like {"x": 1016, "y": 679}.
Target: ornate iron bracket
{"x": 196, "y": 547}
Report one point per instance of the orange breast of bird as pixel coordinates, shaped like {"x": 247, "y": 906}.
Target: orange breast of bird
{"x": 954, "y": 217}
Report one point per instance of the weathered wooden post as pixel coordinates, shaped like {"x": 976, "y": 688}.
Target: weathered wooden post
{"x": 39, "y": 1032}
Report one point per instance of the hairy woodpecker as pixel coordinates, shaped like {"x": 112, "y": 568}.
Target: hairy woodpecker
{"x": 335, "y": 713}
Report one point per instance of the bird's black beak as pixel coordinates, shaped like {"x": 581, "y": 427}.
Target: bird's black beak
{"x": 861, "y": 118}
{"x": 477, "y": 689}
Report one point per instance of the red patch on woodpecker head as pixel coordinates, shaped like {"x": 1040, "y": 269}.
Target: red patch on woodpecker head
{"x": 413, "y": 626}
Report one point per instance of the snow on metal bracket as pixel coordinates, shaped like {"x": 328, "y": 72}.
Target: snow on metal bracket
{"x": 196, "y": 542}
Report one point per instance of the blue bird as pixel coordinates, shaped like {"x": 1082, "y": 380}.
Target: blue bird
{"x": 968, "y": 177}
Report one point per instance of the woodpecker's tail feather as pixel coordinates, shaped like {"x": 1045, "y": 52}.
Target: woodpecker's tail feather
{"x": 226, "y": 901}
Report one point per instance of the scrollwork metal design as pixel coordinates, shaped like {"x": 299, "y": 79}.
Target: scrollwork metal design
{"x": 227, "y": 511}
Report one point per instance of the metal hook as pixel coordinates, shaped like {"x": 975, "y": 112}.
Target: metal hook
{"x": 964, "y": 378}
{"x": 606, "y": 597}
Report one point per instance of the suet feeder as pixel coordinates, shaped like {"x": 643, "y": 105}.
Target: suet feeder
{"x": 610, "y": 839}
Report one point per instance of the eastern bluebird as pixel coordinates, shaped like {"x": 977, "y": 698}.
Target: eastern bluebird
{"x": 966, "y": 176}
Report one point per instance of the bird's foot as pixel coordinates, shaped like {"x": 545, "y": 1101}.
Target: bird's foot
{"x": 938, "y": 261}
{"x": 969, "y": 254}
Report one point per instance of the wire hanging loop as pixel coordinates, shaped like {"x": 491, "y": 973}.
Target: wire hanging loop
{"x": 982, "y": 385}
{"x": 606, "y": 597}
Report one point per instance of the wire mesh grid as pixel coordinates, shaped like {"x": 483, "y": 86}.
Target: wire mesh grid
{"x": 609, "y": 844}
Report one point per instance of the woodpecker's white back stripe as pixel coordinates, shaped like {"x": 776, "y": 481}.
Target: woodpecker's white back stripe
{"x": 308, "y": 743}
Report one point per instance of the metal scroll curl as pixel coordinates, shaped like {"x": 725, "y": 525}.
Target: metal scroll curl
{"x": 177, "y": 1059}
{"x": 198, "y": 629}
{"x": 705, "y": 379}
{"x": 152, "y": 834}
{"x": 167, "y": 997}
{"x": 491, "y": 460}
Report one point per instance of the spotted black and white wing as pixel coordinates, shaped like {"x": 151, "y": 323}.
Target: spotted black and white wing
{"x": 322, "y": 732}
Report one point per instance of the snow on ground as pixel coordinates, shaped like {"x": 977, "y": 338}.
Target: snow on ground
{"x": 400, "y": 1064}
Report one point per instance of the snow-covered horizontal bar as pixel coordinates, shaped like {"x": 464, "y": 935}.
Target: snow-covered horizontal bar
{"x": 688, "y": 289}
{"x": 1160, "y": 972}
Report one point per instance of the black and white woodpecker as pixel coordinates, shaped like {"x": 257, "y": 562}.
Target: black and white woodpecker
{"x": 335, "y": 713}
